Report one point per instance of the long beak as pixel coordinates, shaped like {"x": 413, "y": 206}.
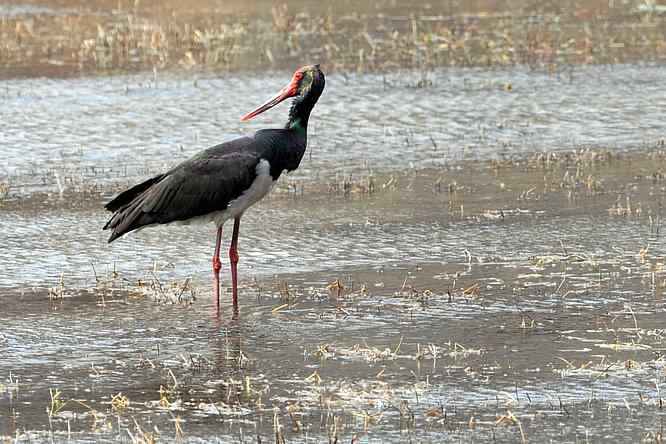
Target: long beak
{"x": 285, "y": 93}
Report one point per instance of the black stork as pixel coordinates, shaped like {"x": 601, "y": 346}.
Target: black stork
{"x": 220, "y": 183}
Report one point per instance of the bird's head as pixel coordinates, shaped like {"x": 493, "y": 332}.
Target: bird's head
{"x": 306, "y": 84}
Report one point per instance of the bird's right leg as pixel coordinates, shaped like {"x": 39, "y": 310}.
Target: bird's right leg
{"x": 233, "y": 258}
{"x": 216, "y": 270}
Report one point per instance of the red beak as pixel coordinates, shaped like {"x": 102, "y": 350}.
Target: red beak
{"x": 288, "y": 91}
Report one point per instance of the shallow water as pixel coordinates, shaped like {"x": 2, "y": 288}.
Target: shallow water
{"x": 106, "y": 127}
{"x": 446, "y": 325}
{"x": 481, "y": 301}
{"x": 293, "y": 233}
{"x": 562, "y": 371}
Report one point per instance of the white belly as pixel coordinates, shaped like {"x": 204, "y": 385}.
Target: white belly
{"x": 261, "y": 186}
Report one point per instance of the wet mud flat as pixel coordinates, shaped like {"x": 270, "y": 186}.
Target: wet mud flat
{"x": 506, "y": 300}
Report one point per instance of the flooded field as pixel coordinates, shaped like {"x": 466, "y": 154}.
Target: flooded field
{"x": 471, "y": 250}
{"x": 488, "y": 300}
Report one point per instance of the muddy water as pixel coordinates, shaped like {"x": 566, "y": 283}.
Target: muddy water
{"x": 461, "y": 300}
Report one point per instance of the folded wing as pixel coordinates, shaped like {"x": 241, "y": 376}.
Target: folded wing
{"x": 196, "y": 187}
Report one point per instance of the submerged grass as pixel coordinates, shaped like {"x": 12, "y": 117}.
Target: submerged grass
{"x": 398, "y": 387}
{"x": 489, "y": 384}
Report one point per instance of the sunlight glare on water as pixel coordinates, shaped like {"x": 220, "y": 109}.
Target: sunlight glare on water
{"x": 130, "y": 123}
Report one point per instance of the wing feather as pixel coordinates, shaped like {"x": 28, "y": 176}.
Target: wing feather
{"x": 196, "y": 187}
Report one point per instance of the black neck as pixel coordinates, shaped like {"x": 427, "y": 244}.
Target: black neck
{"x": 299, "y": 114}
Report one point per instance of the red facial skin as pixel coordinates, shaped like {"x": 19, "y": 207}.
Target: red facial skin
{"x": 288, "y": 91}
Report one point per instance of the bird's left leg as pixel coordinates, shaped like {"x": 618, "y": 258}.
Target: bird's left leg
{"x": 216, "y": 269}
{"x": 233, "y": 258}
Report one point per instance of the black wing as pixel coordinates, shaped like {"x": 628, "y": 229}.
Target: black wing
{"x": 196, "y": 187}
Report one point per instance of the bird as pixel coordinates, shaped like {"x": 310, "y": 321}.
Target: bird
{"x": 222, "y": 182}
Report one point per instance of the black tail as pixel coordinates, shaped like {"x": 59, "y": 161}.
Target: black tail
{"x": 127, "y": 208}
{"x": 127, "y": 196}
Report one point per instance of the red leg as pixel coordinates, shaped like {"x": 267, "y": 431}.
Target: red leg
{"x": 233, "y": 258}
{"x": 216, "y": 270}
